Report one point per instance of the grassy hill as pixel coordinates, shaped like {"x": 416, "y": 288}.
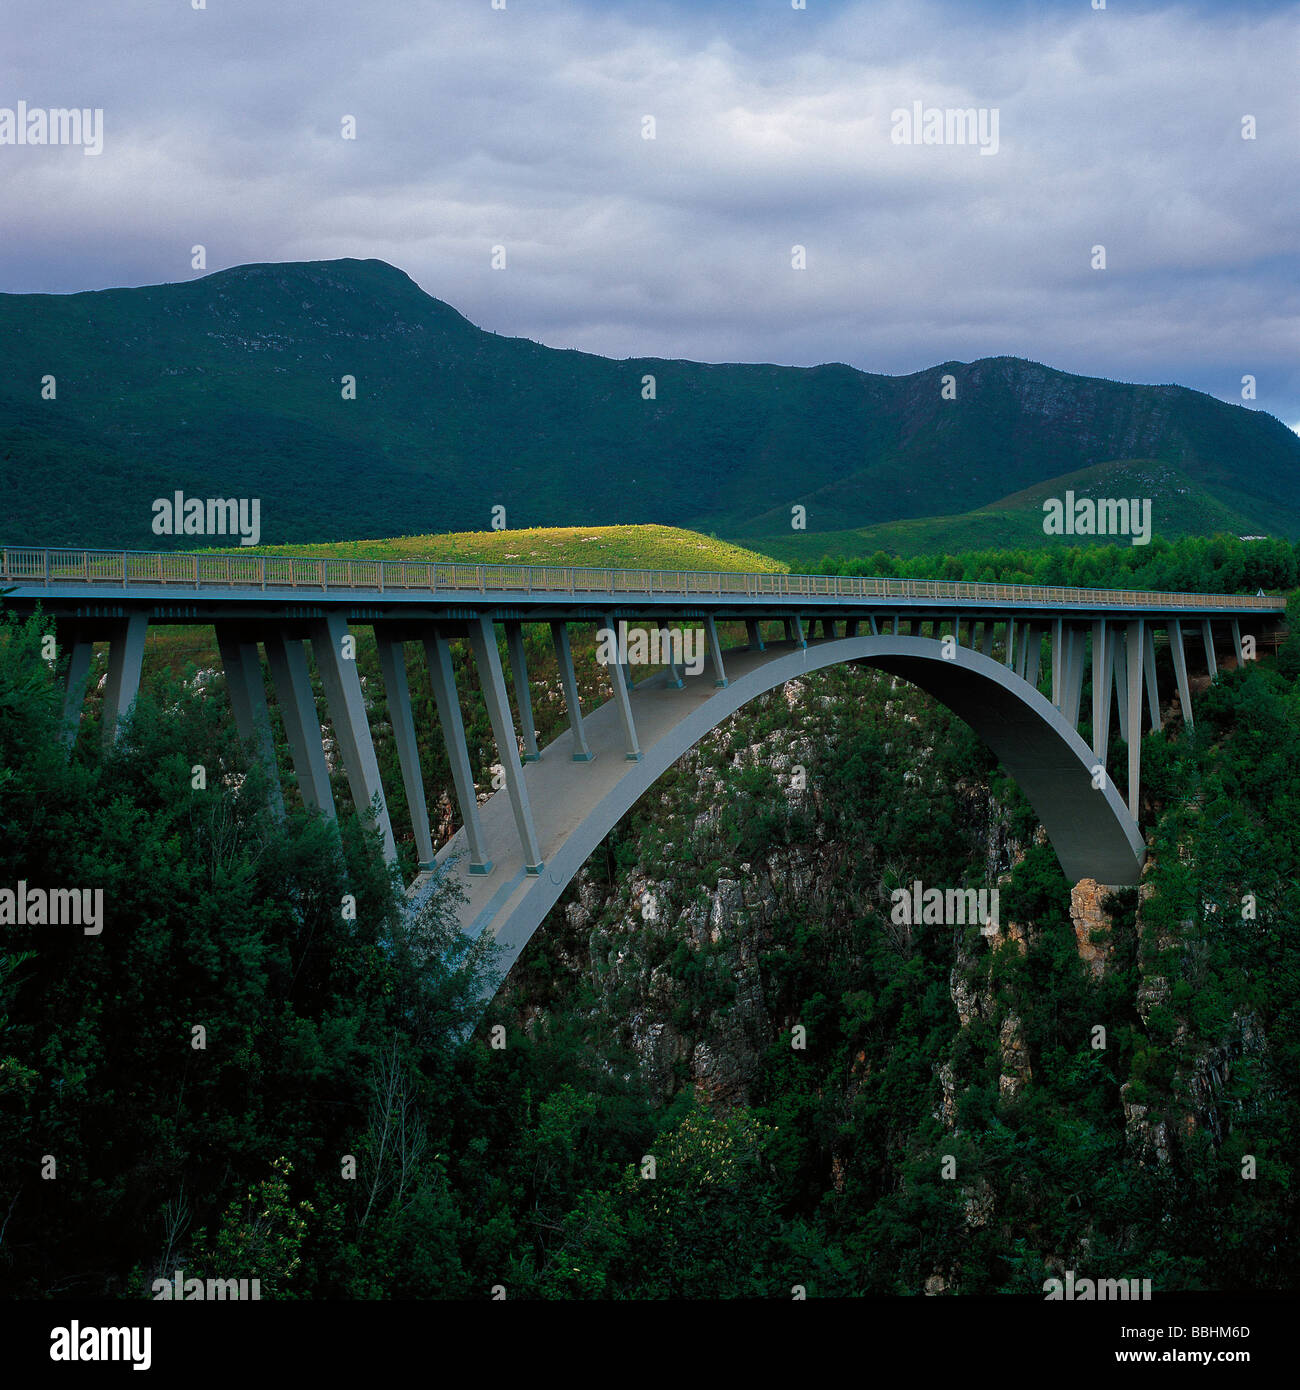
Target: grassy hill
{"x": 1179, "y": 507}
{"x": 233, "y": 385}
{"x": 628, "y": 547}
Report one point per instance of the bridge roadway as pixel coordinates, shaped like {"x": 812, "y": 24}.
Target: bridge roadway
{"x": 186, "y": 586}
{"x": 982, "y": 649}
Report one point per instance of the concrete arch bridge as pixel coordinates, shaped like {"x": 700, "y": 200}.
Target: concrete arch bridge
{"x": 1010, "y": 660}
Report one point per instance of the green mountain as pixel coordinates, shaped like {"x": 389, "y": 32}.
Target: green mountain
{"x": 1179, "y": 507}
{"x": 233, "y": 385}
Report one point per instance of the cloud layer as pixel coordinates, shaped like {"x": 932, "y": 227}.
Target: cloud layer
{"x": 523, "y": 128}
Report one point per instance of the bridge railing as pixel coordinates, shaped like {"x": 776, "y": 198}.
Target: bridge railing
{"x": 127, "y": 569}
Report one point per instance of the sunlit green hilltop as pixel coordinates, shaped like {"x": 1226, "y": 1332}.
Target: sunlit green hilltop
{"x": 624, "y": 547}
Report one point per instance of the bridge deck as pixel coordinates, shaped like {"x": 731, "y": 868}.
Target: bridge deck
{"x": 185, "y": 586}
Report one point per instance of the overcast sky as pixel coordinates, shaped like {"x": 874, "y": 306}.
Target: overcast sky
{"x": 522, "y": 127}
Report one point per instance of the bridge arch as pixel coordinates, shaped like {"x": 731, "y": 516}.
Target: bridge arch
{"x": 577, "y": 804}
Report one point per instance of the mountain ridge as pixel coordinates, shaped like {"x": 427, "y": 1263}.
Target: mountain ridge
{"x": 233, "y": 384}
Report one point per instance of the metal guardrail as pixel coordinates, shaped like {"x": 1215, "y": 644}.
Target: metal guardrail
{"x": 125, "y": 569}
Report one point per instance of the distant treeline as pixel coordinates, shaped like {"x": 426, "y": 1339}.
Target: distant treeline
{"x": 1223, "y": 564}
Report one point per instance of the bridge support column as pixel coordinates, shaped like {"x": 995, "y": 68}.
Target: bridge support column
{"x": 1149, "y": 670}
{"x": 125, "y": 661}
{"x": 564, "y": 658}
{"x": 1101, "y": 678}
{"x": 1058, "y": 663}
{"x": 633, "y": 754}
{"x": 483, "y": 642}
{"x": 1073, "y": 663}
{"x": 1179, "y": 653}
{"x": 715, "y": 654}
{"x": 523, "y": 695}
{"x": 243, "y": 670}
{"x": 851, "y": 627}
{"x": 1208, "y": 635}
{"x": 670, "y": 654}
{"x": 442, "y": 677}
{"x": 1119, "y": 662}
{"x": 392, "y": 662}
{"x": 755, "y": 635}
{"x": 986, "y": 638}
{"x": 288, "y": 662}
{"x": 1236, "y": 639}
{"x": 80, "y": 650}
{"x": 1009, "y": 658}
{"x": 1134, "y": 719}
{"x": 347, "y": 709}
{"x": 1033, "y": 654}
{"x": 799, "y": 639}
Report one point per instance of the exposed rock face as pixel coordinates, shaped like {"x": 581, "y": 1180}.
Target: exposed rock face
{"x": 1086, "y": 913}
{"x": 968, "y": 982}
{"x": 1147, "y": 1135}
{"x": 1016, "y": 1071}
{"x": 947, "y": 1111}
{"x": 1207, "y": 1083}
{"x": 1153, "y": 990}
{"x": 968, "y": 989}
{"x": 980, "y": 1201}
{"x": 1015, "y": 933}
{"x": 729, "y": 925}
